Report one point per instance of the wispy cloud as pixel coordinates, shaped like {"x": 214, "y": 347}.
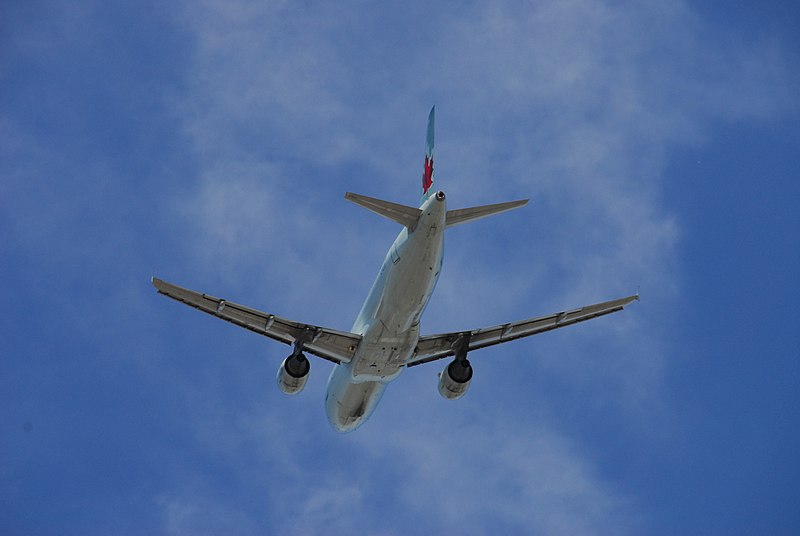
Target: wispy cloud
{"x": 213, "y": 144}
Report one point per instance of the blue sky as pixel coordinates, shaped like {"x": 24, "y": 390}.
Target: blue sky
{"x": 211, "y": 143}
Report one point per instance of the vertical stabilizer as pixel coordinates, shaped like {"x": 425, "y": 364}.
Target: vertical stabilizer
{"x": 427, "y": 173}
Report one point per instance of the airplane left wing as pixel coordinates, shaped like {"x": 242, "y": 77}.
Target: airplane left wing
{"x": 432, "y": 347}
{"x": 335, "y": 346}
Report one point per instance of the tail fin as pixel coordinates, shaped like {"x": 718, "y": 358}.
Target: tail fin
{"x": 427, "y": 172}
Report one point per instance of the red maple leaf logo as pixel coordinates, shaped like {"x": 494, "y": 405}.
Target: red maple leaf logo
{"x": 427, "y": 175}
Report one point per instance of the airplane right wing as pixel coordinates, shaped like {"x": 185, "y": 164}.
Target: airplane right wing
{"x": 330, "y": 344}
{"x": 433, "y": 347}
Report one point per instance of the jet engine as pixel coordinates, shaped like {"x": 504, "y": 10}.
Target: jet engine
{"x": 293, "y": 374}
{"x": 455, "y": 378}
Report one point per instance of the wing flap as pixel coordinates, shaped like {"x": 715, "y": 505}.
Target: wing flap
{"x": 433, "y": 347}
{"x": 330, "y": 344}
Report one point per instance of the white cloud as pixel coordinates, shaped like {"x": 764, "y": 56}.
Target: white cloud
{"x": 480, "y": 476}
{"x": 194, "y": 509}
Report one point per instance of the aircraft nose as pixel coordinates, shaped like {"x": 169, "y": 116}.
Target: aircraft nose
{"x": 440, "y": 195}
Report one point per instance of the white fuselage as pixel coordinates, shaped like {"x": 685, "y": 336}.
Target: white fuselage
{"x": 389, "y": 319}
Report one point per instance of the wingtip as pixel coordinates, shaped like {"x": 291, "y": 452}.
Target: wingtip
{"x": 629, "y": 299}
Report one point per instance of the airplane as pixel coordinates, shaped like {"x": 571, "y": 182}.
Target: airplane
{"x": 385, "y": 338}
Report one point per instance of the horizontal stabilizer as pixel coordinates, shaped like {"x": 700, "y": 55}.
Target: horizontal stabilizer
{"x": 463, "y": 215}
{"x": 402, "y": 214}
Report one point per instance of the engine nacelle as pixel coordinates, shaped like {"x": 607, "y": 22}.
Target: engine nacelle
{"x": 454, "y": 379}
{"x": 293, "y": 374}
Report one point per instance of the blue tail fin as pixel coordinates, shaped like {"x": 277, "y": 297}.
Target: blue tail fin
{"x": 427, "y": 173}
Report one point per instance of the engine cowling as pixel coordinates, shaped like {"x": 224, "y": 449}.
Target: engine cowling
{"x": 454, "y": 379}
{"x": 293, "y": 374}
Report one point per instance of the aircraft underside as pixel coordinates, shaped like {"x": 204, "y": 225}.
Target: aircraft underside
{"x": 389, "y": 319}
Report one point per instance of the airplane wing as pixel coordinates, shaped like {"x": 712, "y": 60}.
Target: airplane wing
{"x": 433, "y": 347}
{"x": 335, "y": 346}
